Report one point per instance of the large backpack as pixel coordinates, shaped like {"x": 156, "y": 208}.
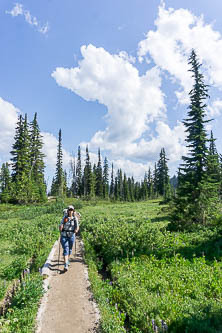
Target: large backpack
{"x": 69, "y": 227}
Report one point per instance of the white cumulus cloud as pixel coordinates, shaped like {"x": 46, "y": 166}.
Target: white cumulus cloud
{"x": 169, "y": 46}
{"x": 135, "y": 105}
{"x": 18, "y": 9}
{"x": 132, "y": 101}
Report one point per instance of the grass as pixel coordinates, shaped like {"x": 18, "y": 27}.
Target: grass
{"x": 143, "y": 276}
{"x": 27, "y": 234}
{"x": 155, "y": 278}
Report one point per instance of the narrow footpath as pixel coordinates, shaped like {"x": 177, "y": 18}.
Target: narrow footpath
{"x": 68, "y": 305}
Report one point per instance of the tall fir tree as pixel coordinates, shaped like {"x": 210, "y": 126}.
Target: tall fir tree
{"x": 79, "y": 174}
{"x": 94, "y": 180}
{"x": 155, "y": 182}
{"x": 213, "y": 159}
{"x": 88, "y": 175}
{"x": 53, "y": 187}
{"x": 116, "y": 192}
{"x": 105, "y": 179}
{"x": 126, "y": 194}
{"x": 131, "y": 188}
{"x": 5, "y": 183}
{"x": 137, "y": 191}
{"x": 65, "y": 184}
{"x": 144, "y": 187}
{"x": 59, "y": 178}
{"x": 213, "y": 165}
{"x": 21, "y": 164}
{"x": 150, "y": 184}
{"x": 196, "y": 194}
{"x": 120, "y": 184}
{"x": 99, "y": 177}
{"x": 16, "y": 149}
{"x": 163, "y": 180}
{"x": 37, "y": 163}
{"x": 73, "y": 187}
{"x": 112, "y": 184}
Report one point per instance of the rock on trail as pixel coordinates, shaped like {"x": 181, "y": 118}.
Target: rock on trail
{"x": 67, "y": 305}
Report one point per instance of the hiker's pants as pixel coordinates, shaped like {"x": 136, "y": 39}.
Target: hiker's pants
{"x": 67, "y": 244}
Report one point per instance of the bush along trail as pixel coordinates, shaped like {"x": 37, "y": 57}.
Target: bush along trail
{"x": 27, "y": 234}
{"x": 148, "y": 279}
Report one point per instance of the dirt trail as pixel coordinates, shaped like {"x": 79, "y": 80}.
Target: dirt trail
{"x": 68, "y": 306}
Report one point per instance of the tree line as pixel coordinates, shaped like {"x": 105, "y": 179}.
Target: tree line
{"x": 95, "y": 181}
{"x": 22, "y": 179}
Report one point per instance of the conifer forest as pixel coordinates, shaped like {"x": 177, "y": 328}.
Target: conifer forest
{"x": 153, "y": 247}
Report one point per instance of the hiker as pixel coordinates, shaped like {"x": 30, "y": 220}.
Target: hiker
{"x": 69, "y": 227}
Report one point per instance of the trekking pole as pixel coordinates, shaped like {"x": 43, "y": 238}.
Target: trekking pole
{"x": 59, "y": 255}
{"x": 75, "y": 246}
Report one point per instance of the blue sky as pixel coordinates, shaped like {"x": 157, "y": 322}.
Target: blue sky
{"x": 110, "y": 74}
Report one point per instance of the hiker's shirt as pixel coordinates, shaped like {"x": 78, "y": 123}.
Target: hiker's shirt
{"x": 70, "y": 226}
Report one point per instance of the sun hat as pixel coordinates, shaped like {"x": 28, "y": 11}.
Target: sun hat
{"x": 71, "y": 207}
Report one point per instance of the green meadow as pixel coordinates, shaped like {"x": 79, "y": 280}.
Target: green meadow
{"x": 144, "y": 277}
{"x": 147, "y": 278}
{"x": 27, "y": 234}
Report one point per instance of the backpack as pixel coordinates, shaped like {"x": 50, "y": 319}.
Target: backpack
{"x": 69, "y": 227}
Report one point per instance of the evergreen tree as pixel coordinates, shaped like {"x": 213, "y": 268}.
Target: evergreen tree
{"x": 105, "y": 178}
{"x": 93, "y": 180}
{"x": 163, "y": 180}
{"x": 65, "y": 184}
{"x": 79, "y": 174}
{"x": 120, "y": 184}
{"x": 160, "y": 174}
{"x": 21, "y": 163}
{"x": 73, "y": 187}
{"x": 196, "y": 191}
{"x": 155, "y": 182}
{"x": 126, "y": 194}
{"x": 150, "y": 184}
{"x": 87, "y": 175}
{"x": 5, "y": 183}
{"x": 144, "y": 187}
{"x": 53, "y": 187}
{"x": 131, "y": 188}
{"x": 116, "y": 192}
{"x": 16, "y": 150}
{"x": 112, "y": 184}
{"x": 37, "y": 163}
{"x": 137, "y": 191}
{"x": 99, "y": 177}
{"x": 213, "y": 165}
{"x": 59, "y": 175}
